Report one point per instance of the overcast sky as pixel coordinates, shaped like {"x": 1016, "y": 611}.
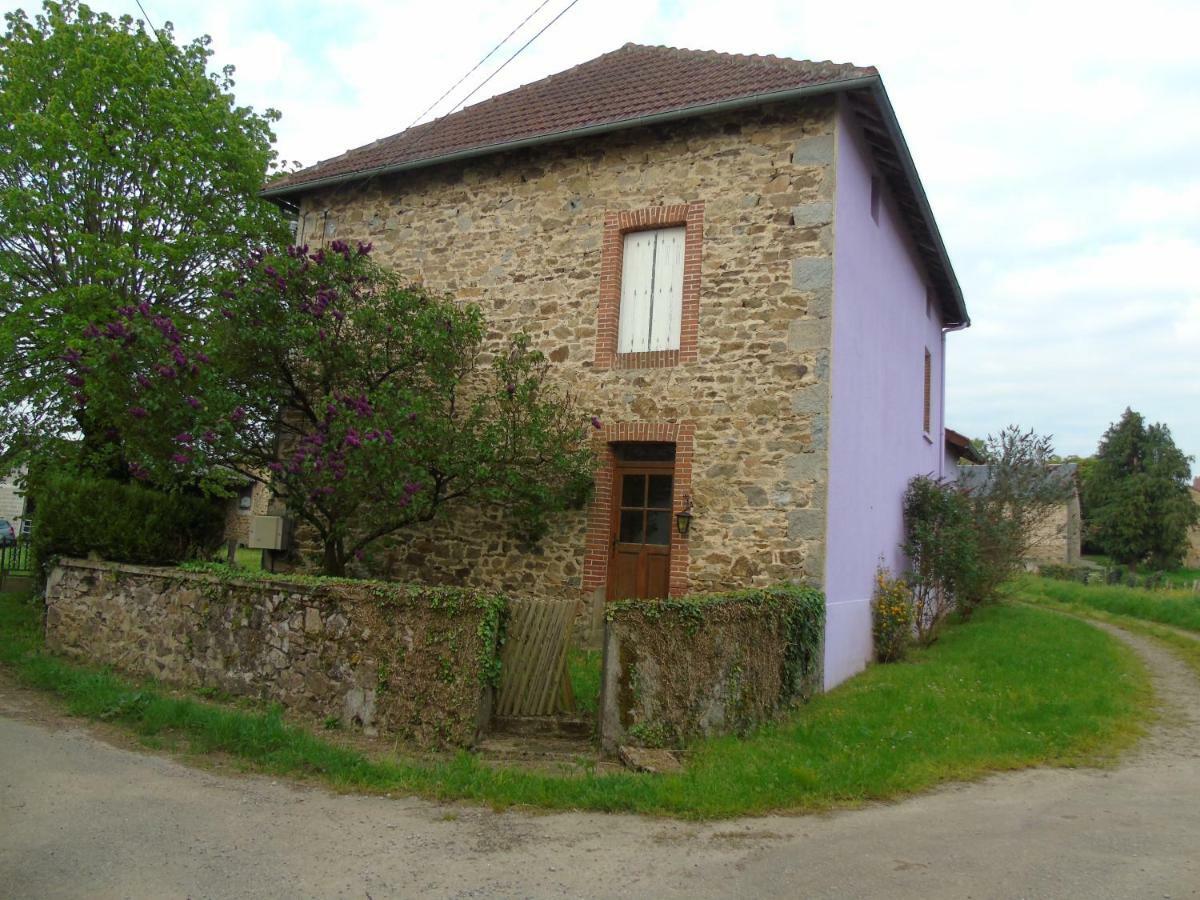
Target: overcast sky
{"x": 1059, "y": 144}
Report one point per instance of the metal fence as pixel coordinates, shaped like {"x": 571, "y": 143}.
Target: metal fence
{"x": 15, "y": 559}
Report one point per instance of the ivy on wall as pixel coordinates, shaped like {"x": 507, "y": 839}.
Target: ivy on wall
{"x": 491, "y": 608}
{"x": 719, "y": 662}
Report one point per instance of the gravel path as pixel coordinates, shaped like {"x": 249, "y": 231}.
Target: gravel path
{"x": 80, "y": 817}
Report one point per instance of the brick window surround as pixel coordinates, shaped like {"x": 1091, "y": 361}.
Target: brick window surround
{"x": 599, "y": 531}
{"x": 617, "y": 224}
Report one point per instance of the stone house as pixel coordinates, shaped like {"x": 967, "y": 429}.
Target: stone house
{"x": 253, "y": 499}
{"x": 959, "y": 451}
{"x": 732, "y": 263}
{"x": 14, "y": 505}
{"x": 1191, "y": 558}
{"x": 1058, "y": 537}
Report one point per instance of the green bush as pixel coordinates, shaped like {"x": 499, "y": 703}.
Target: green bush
{"x": 941, "y": 542}
{"x": 122, "y": 522}
{"x": 1060, "y": 572}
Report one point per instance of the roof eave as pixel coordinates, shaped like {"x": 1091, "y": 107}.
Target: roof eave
{"x": 960, "y": 319}
{"x": 686, "y": 112}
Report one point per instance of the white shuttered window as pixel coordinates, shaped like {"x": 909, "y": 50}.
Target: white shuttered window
{"x": 651, "y": 290}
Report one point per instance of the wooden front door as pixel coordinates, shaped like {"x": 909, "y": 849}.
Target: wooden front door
{"x": 640, "y": 560}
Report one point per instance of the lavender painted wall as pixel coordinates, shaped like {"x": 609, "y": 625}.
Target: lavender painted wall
{"x": 876, "y": 439}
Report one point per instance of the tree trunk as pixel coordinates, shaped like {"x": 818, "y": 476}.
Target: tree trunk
{"x": 334, "y": 561}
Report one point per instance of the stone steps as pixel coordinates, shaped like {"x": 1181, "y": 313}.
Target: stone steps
{"x": 560, "y": 745}
{"x": 544, "y": 726}
{"x": 525, "y": 748}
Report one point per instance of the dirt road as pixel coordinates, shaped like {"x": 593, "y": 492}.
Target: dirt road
{"x": 80, "y": 817}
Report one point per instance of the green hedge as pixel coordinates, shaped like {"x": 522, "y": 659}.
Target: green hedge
{"x": 122, "y": 522}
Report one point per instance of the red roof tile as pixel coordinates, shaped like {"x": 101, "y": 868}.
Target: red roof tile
{"x": 626, "y": 84}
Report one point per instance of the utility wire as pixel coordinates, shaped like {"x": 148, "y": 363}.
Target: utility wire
{"x": 158, "y": 34}
{"x": 147, "y": 16}
{"x": 475, "y": 67}
{"x": 514, "y": 56}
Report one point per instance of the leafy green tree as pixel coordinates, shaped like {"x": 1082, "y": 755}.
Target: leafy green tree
{"x": 128, "y": 177}
{"x": 1136, "y": 494}
{"x": 1010, "y": 506}
{"x": 366, "y": 400}
{"x": 964, "y": 538}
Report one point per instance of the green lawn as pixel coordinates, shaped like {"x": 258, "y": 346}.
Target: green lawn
{"x": 1183, "y": 577}
{"x": 1180, "y": 640}
{"x": 249, "y": 559}
{"x": 1015, "y": 687}
{"x": 583, "y": 668}
{"x": 1168, "y": 607}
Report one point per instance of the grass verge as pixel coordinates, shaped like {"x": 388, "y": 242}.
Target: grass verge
{"x": 584, "y": 670}
{"x": 249, "y": 559}
{"x": 1186, "y": 647}
{"x": 1015, "y": 687}
{"x": 1178, "y": 608}
{"x": 1183, "y": 578}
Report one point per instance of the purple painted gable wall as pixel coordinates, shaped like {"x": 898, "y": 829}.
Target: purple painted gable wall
{"x": 876, "y": 440}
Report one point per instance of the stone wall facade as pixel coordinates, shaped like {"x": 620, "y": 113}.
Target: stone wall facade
{"x": 237, "y": 517}
{"x": 1058, "y": 536}
{"x": 707, "y": 665}
{"x": 524, "y": 233}
{"x": 409, "y": 662}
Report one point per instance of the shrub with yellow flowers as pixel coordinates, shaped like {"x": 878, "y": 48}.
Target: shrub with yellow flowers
{"x": 891, "y": 616}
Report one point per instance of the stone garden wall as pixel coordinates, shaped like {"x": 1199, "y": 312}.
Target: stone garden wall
{"x": 416, "y": 662}
{"x": 676, "y": 670}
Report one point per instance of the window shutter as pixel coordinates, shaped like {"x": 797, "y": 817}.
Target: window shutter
{"x": 668, "y": 289}
{"x": 651, "y": 290}
{"x": 637, "y": 272}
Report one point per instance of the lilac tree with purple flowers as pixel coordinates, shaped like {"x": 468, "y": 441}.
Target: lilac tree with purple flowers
{"x": 363, "y": 398}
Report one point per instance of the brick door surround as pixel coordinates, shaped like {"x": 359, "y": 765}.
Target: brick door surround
{"x": 597, "y": 550}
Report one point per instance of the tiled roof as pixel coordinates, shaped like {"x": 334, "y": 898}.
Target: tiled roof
{"x": 960, "y": 445}
{"x": 622, "y": 86}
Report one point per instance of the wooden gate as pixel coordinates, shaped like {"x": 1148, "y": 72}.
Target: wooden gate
{"x": 533, "y": 663}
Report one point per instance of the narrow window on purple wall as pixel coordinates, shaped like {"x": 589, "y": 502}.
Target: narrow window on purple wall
{"x": 876, "y": 190}
{"x": 928, "y": 408}
{"x": 928, "y": 303}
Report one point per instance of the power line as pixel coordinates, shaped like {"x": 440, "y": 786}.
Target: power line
{"x": 147, "y": 15}
{"x": 514, "y": 56}
{"x": 478, "y": 64}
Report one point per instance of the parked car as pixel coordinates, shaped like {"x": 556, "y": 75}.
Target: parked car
{"x": 8, "y": 534}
